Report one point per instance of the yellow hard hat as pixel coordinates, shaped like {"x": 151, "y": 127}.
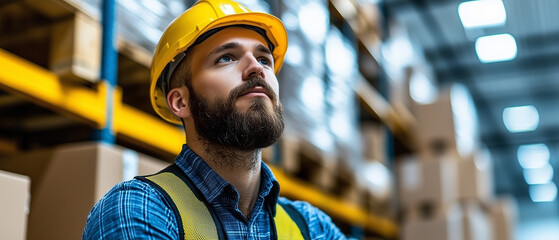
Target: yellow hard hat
{"x": 203, "y": 16}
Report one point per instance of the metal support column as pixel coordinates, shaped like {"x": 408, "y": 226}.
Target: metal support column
{"x": 109, "y": 63}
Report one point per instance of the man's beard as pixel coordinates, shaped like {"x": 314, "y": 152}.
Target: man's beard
{"x": 220, "y": 123}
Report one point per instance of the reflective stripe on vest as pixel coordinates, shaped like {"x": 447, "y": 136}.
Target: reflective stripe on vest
{"x": 195, "y": 216}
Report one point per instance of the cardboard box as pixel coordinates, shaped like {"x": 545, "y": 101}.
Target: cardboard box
{"x": 14, "y": 205}
{"x": 447, "y": 125}
{"x": 504, "y": 213}
{"x": 445, "y": 226}
{"x": 76, "y": 48}
{"x": 477, "y": 223}
{"x": 384, "y": 208}
{"x": 374, "y": 142}
{"x": 68, "y": 180}
{"x": 409, "y": 181}
{"x": 476, "y": 177}
{"x": 427, "y": 183}
{"x": 435, "y": 126}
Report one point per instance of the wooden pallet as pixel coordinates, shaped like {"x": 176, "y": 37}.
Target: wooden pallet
{"x": 350, "y": 191}
{"x": 134, "y": 63}
{"x": 384, "y": 208}
{"x": 306, "y": 161}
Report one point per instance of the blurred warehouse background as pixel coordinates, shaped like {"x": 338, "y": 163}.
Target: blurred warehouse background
{"x": 405, "y": 119}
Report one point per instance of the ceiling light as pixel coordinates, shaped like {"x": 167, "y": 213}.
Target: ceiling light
{"x": 533, "y": 155}
{"x": 482, "y": 13}
{"x": 538, "y": 175}
{"x": 496, "y": 48}
{"x": 543, "y": 192}
{"x": 521, "y": 118}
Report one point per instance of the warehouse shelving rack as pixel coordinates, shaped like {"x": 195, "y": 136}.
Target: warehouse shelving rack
{"x": 87, "y": 104}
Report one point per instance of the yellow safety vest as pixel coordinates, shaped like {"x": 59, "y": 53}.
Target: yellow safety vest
{"x": 197, "y": 218}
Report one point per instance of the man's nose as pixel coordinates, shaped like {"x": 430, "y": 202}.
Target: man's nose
{"x": 252, "y": 68}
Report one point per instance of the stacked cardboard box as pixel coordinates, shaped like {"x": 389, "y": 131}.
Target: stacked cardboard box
{"x": 432, "y": 189}
{"x": 76, "y": 48}
{"x": 476, "y": 221}
{"x": 68, "y": 180}
{"x": 428, "y": 183}
{"x": 448, "y": 124}
{"x": 503, "y": 216}
{"x": 374, "y": 174}
{"x": 451, "y": 172}
{"x": 442, "y": 195}
{"x": 476, "y": 177}
{"x": 476, "y": 195}
{"x": 428, "y": 196}
{"x": 373, "y": 138}
{"x": 445, "y": 226}
{"x": 14, "y": 205}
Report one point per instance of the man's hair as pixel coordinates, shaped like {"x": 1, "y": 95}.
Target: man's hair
{"x": 182, "y": 75}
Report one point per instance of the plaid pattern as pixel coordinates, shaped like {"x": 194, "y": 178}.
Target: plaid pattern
{"x": 134, "y": 210}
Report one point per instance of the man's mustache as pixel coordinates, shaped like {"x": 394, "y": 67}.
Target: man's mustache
{"x": 253, "y": 82}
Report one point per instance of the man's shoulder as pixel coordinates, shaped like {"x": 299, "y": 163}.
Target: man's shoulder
{"x": 320, "y": 224}
{"x": 133, "y": 184}
{"x": 128, "y": 208}
{"x": 301, "y": 206}
{"x": 127, "y": 193}
{"x": 307, "y": 210}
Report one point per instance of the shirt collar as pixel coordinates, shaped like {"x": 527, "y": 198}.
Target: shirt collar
{"x": 211, "y": 185}
{"x": 270, "y": 188}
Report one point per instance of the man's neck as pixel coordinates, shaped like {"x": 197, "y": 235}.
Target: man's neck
{"x": 240, "y": 168}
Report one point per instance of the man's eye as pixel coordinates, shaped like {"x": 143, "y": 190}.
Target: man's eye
{"x": 224, "y": 59}
{"x": 264, "y": 61}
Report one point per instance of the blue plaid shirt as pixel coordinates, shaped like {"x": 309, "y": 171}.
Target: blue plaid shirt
{"x": 134, "y": 210}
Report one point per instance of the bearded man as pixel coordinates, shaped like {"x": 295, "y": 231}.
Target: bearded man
{"x": 216, "y": 77}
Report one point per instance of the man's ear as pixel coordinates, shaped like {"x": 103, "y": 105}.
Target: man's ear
{"x": 177, "y": 99}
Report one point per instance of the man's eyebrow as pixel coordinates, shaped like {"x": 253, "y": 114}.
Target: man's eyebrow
{"x": 264, "y": 49}
{"x": 226, "y": 46}
{"x": 231, "y": 45}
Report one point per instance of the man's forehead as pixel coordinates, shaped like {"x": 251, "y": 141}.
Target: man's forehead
{"x": 235, "y": 37}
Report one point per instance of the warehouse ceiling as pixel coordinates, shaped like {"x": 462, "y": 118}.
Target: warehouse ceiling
{"x": 531, "y": 78}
